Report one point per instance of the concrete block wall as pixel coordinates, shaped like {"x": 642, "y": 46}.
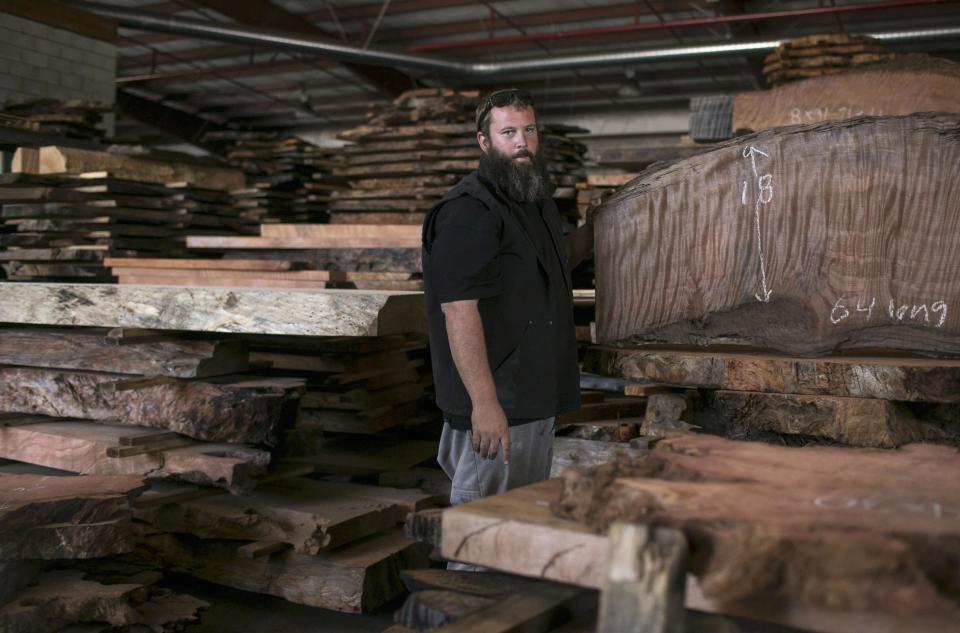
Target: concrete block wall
{"x": 40, "y": 60}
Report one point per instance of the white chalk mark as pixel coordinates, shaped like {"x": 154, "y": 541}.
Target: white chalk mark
{"x": 868, "y": 309}
{"x": 749, "y": 152}
{"x": 765, "y": 297}
{"x": 743, "y": 193}
{"x": 941, "y": 307}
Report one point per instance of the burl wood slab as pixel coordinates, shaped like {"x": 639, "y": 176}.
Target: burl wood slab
{"x": 804, "y": 239}
{"x": 848, "y": 529}
{"x": 213, "y": 309}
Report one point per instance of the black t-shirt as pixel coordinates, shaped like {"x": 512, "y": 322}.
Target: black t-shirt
{"x": 465, "y": 265}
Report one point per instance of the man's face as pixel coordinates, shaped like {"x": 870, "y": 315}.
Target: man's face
{"x": 513, "y": 134}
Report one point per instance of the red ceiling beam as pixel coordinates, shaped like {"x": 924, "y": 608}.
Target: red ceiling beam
{"x": 554, "y": 36}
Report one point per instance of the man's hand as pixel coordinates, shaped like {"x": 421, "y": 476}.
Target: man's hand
{"x": 490, "y": 431}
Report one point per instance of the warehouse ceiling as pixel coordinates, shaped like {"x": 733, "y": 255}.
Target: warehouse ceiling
{"x": 188, "y": 84}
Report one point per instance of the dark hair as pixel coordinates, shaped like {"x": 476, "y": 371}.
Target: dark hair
{"x": 501, "y": 99}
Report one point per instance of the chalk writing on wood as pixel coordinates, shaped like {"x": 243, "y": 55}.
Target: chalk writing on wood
{"x": 802, "y": 116}
{"x": 764, "y": 196}
{"x": 933, "y": 509}
{"x": 934, "y": 314}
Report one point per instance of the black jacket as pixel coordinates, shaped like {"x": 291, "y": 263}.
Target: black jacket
{"x": 528, "y": 322}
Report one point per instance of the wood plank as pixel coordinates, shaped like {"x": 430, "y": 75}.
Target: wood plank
{"x": 204, "y": 264}
{"x": 366, "y": 422}
{"x": 76, "y": 349}
{"x": 255, "y": 311}
{"x": 288, "y": 243}
{"x": 848, "y": 528}
{"x": 357, "y": 578}
{"x": 81, "y": 447}
{"x": 404, "y": 234}
{"x": 855, "y": 421}
{"x": 368, "y": 456}
{"x": 306, "y": 514}
{"x": 818, "y": 291}
{"x": 891, "y": 378}
{"x": 216, "y": 412}
{"x": 433, "y": 609}
{"x": 224, "y": 281}
{"x": 377, "y": 217}
{"x": 71, "y": 160}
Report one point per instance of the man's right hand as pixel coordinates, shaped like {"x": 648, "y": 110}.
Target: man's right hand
{"x": 490, "y": 431}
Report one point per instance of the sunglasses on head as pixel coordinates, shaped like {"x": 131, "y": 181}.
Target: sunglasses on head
{"x": 502, "y": 98}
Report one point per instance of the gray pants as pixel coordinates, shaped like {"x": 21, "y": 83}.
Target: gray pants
{"x": 531, "y": 455}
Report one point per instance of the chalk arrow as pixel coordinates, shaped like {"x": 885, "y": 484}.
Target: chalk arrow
{"x": 750, "y": 152}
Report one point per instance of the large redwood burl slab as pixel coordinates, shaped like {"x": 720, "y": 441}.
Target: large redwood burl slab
{"x": 804, "y": 239}
{"x": 847, "y": 529}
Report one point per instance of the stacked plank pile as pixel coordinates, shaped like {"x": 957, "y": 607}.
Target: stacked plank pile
{"x": 61, "y": 227}
{"x": 374, "y": 257}
{"x": 596, "y": 189}
{"x": 757, "y": 275}
{"x": 67, "y": 209}
{"x": 357, "y": 386}
{"x": 927, "y": 84}
{"x": 288, "y": 179}
{"x": 183, "y": 411}
{"x": 71, "y": 119}
{"x": 51, "y": 519}
{"x": 407, "y": 157}
{"x": 818, "y": 55}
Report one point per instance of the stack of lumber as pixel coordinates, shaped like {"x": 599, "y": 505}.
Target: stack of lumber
{"x": 407, "y": 157}
{"x": 63, "y": 226}
{"x": 362, "y": 256}
{"x": 69, "y": 209}
{"x": 288, "y": 178}
{"x": 925, "y": 84}
{"x": 778, "y": 271}
{"x": 71, "y": 119}
{"x": 353, "y": 385}
{"x": 818, "y": 55}
{"x": 51, "y": 519}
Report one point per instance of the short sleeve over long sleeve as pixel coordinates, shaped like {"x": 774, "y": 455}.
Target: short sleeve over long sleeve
{"x": 464, "y": 250}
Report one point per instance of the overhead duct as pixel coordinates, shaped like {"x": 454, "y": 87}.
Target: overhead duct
{"x": 280, "y": 40}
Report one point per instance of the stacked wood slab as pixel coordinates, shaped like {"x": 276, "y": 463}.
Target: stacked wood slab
{"x": 49, "y": 518}
{"x": 818, "y": 55}
{"x": 105, "y": 402}
{"x": 362, "y": 256}
{"x": 70, "y": 119}
{"x": 407, "y": 157}
{"x": 758, "y": 256}
{"x": 925, "y": 84}
{"x": 62, "y": 227}
{"x": 288, "y": 178}
{"x": 69, "y": 209}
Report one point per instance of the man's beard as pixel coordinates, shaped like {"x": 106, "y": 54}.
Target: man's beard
{"x": 522, "y": 182}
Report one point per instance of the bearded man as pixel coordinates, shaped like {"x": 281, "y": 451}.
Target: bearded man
{"x": 496, "y": 271}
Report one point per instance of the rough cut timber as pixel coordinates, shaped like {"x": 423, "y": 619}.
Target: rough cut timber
{"x": 71, "y": 160}
{"x": 52, "y": 518}
{"x": 795, "y": 239}
{"x": 81, "y": 447}
{"x": 908, "y": 379}
{"x": 63, "y": 598}
{"x": 924, "y": 84}
{"x": 516, "y": 532}
{"x": 17, "y": 574}
{"x": 89, "y": 350}
{"x": 249, "y": 311}
{"x": 235, "y": 410}
{"x": 359, "y": 577}
{"x": 833, "y": 528}
{"x": 308, "y": 515}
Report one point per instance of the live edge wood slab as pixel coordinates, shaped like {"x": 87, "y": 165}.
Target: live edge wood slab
{"x": 214, "y": 309}
{"x": 518, "y": 533}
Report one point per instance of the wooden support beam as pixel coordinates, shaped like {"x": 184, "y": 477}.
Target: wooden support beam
{"x": 212, "y": 309}
{"x": 645, "y": 585}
